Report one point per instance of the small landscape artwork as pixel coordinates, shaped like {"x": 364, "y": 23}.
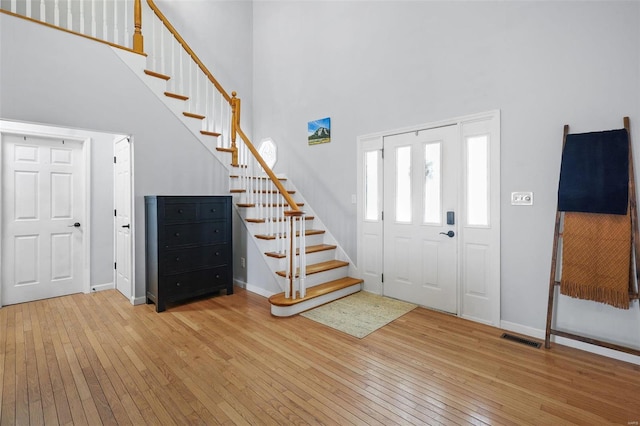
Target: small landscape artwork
{"x": 319, "y": 131}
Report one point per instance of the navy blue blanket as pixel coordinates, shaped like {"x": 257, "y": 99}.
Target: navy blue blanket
{"x": 594, "y": 175}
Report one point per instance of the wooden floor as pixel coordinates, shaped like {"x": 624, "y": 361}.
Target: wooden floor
{"x": 95, "y": 359}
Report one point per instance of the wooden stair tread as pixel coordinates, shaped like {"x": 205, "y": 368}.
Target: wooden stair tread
{"x": 307, "y": 232}
{"x": 252, "y": 177}
{"x": 208, "y": 133}
{"x": 315, "y": 291}
{"x": 265, "y": 205}
{"x": 320, "y": 267}
{"x": 308, "y": 249}
{"x": 193, "y": 115}
{"x": 262, "y": 220}
{"x": 271, "y": 191}
{"x": 176, "y": 96}
{"x": 156, "y": 74}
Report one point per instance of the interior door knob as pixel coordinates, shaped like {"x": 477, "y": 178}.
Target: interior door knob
{"x": 126, "y": 226}
{"x": 75, "y": 225}
{"x": 449, "y": 234}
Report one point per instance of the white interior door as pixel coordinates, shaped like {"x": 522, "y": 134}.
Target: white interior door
{"x": 420, "y": 204}
{"x": 123, "y": 216}
{"x": 43, "y": 208}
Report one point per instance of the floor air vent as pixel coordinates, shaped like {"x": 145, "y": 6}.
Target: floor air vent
{"x": 521, "y": 340}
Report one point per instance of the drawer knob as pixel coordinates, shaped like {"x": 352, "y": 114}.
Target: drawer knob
{"x": 178, "y": 284}
{"x": 216, "y": 231}
{"x": 177, "y": 259}
{"x": 217, "y": 275}
{"x": 217, "y": 253}
{"x": 213, "y": 210}
{"x": 180, "y": 210}
{"x": 177, "y": 234}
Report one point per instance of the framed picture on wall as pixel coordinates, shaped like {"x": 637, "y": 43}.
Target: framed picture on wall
{"x": 319, "y": 131}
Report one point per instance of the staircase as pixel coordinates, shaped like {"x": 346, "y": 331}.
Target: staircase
{"x": 304, "y": 258}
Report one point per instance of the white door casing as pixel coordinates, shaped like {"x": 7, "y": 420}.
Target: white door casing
{"x": 43, "y": 196}
{"x": 123, "y": 217}
{"x": 420, "y": 187}
{"x": 477, "y": 244}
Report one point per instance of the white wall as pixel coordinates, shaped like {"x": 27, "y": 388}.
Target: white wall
{"x": 373, "y": 66}
{"x": 51, "y": 77}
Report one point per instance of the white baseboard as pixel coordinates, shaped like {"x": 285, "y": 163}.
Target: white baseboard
{"x": 254, "y": 289}
{"x": 102, "y": 287}
{"x": 539, "y": 334}
{"x": 138, "y": 300}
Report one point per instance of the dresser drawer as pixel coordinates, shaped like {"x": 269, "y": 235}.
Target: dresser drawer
{"x": 212, "y": 210}
{"x": 181, "y": 234}
{"x": 194, "y": 258}
{"x": 180, "y": 211}
{"x": 195, "y": 283}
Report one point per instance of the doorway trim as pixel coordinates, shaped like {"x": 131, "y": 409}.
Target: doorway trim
{"x": 370, "y": 233}
{"x": 43, "y": 131}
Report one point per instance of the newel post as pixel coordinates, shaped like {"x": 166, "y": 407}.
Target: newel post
{"x": 235, "y": 121}
{"x": 138, "y": 42}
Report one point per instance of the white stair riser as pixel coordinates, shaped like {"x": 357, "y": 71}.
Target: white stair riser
{"x": 326, "y": 276}
{"x": 287, "y": 311}
{"x": 317, "y": 257}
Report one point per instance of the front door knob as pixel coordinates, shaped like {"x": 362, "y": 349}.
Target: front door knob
{"x": 449, "y": 234}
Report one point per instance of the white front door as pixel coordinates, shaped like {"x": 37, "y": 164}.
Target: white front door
{"x": 420, "y": 208}
{"x": 43, "y": 209}
{"x": 123, "y": 216}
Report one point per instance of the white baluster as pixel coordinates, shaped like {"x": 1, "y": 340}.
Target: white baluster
{"x": 43, "y": 11}
{"x": 82, "y": 17}
{"x": 183, "y": 90}
{"x": 93, "y": 18}
{"x": 303, "y": 257}
{"x": 174, "y": 76}
{"x": 116, "y": 30}
{"x": 69, "y": 16}
{"x": 56, "y": 13}
{"x": 287, "y": 294}
{"x": 105, "y": 27}
{"x": 28, "y": 10}
{"x": 154, "y": 49}
{"x": 127, "y": 25}
{"x": 162, "y": 57}
{"x": 14, "y": 6}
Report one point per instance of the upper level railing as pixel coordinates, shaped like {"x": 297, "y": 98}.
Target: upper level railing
{"x": 119, "y": 23}
{"x": 115, "y": 22}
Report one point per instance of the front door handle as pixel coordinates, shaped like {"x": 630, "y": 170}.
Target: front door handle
{"x": 449, "y": 234}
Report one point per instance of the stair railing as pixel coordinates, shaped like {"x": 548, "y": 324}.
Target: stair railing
{"x": 119, "y": 24}
{"x": 187, "y": 76}
{"x": 115, "y": 22}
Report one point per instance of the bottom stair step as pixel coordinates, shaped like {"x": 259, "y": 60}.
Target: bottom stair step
{"x": 316, "y": 296}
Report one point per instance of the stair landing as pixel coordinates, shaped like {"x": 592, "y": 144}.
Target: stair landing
{"x": 316, "y": 296}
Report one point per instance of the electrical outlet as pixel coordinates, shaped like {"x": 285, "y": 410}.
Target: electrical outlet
{"x": 522, "y": 198}
{"x": 243, "y": 262}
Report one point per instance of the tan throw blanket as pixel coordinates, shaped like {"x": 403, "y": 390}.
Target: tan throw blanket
{"x": 596, "y": 254}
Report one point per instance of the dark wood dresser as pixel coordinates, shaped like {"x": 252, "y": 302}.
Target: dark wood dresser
{"x": 188, "y": 247}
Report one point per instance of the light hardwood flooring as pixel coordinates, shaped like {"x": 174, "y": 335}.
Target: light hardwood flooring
{"x": 95, "y": 359}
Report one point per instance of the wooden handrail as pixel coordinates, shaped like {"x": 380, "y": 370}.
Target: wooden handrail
{"x": 234, "y": 102}
{"x": 294, "y": 206}
{"x": 186, "y": 47}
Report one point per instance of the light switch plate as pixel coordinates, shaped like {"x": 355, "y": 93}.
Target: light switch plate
{"x": 522, "y": 198}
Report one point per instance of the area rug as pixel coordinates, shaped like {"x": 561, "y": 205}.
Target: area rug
{"x": 360, "y": 313}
